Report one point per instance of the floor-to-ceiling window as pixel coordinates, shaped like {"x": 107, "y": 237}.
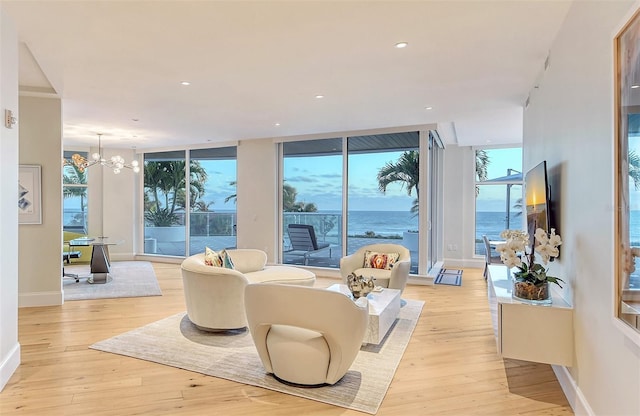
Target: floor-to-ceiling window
{"x": 74, "y": 192}
{"x": 382, "y": 194}
{"x": 212, "y": 214}
{"x": 312, "y": 195}
{"x": 209, "y": 200}
{"x": 498, "y": 193}
{"x": 164, "y": 203}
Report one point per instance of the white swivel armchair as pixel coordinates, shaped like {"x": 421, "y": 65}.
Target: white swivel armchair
{"x": 395, "y": 278}
{"x": 304, "y": 335}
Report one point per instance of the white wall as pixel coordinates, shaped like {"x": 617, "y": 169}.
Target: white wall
{"x": 257, "y": 196}
{"x": 41, "y": 144}
{"x": 9, "y": 346}
{"x": 459, "y": 208}
{"x": 570, "y": 123}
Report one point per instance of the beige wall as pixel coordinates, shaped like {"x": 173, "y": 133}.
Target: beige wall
{"x": 569, "y": 123}
{"x": 257, "y": 196}
{"x": 41, "y": 144}
{"x": 9, "y": 346}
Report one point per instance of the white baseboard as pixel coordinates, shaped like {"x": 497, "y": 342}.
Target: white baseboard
{"x": 421, "y": 280}
{"x": 26, "y": 300}
{"x": 571, "y": 391}
{"x": 9, "y": 365}
{"x": 158, "y": 259}
{"x": 122, "y": 257}
{"x": 464, "y": 263}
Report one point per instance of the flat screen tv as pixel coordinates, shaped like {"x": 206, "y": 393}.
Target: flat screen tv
{"x": 538, "y": 199}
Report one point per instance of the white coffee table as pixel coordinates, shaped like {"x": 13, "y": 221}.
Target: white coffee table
{"x": 384, "y": 307}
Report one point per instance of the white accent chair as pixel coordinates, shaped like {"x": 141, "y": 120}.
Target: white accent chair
{"x": 305, "y": 336}
{"x": 396, "y": 278}
{"x": 215, "y": 295}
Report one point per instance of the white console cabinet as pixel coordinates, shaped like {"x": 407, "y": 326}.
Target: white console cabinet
{"x": 537, "y": 333}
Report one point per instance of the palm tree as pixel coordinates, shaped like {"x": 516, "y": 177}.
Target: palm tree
{"x": 202, "y": 206}
{"x": 167, "y": 179}
{"x": 482, "y": 163}
{"x": 289, "y": 203}
{"x": 233, "y": 197}
{"x": 75, "y": 175}
{"x": 405, "y": 171}
{"x": 289, "y": 194}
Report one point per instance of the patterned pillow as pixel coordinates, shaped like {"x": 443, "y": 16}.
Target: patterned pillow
{"x": 226, "y": 260}
{"x": 211, "y": 258}
{"x": 375, "y": 260}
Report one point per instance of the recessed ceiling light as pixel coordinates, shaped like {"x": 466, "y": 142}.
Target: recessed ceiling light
{"x": 276, "y": 124}
{"x": 185, "y": 83}
{"x": 635, "y": 86}
{"x": 318, "y": 96}
{"x": 401, "y": 45}
{"x": 428, "y": 108}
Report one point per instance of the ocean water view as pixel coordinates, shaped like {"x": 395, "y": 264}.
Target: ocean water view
{"x": 392, "y": 224}
{"x": 383, "y": 223}
{"x": 492, "y": 224}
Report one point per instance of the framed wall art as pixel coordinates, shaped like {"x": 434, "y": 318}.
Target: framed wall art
{"x": 29, "y": 195}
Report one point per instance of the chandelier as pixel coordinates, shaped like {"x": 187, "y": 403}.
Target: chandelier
{"x": 116, "y": 162}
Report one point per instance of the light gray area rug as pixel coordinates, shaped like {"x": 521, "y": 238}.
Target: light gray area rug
{"x": 175, "y": 341}
{"x": 129, "y": 279}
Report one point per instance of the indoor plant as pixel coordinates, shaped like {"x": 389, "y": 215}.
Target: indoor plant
{"x": 530, "y": 281}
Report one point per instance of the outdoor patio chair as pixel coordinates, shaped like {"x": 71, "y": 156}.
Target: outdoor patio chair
{"x": 303, "y": 241}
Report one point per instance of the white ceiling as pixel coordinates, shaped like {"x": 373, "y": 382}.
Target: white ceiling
{"x": 254, "y": 64}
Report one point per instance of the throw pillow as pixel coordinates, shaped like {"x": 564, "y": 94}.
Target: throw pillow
{"x": 226, "y": 260}
{"x": 375, "y": 260}
{"x": 211, "y": 258}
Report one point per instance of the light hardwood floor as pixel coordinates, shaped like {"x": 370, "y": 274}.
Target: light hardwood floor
{"x": 450, "y": 366}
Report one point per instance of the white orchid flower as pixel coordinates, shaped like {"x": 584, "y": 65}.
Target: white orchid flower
{"x": 541, "y": 236}
{"x": 511, "y": 260}
{"x": 554, "y": 239}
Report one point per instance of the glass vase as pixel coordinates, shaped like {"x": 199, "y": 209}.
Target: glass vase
{"x": 527, "y": 292}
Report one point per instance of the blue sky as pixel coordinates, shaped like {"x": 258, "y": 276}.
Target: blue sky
{"x": 319, "y": 180}
{"x": 492, "y": 198}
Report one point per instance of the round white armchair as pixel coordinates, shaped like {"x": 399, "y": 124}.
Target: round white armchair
{"x": 394, "y": 277}
{"x": 215, "y": 295}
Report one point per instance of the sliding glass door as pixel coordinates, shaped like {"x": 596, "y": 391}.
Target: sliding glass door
{"x": 164, "y": 202}
{"x": 212, "y": 213}
{"x": 382, "y": 193}
{"x": 312, "y": 195}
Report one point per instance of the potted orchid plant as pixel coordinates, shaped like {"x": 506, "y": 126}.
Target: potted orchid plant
{"x": 531, "y": 281}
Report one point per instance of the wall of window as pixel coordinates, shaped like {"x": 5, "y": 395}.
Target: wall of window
{"x": 383, "y": 179}
{"x": 312, "y": 195}
{"x": 175, "y": 227}
{"x": 498, "y": 193}
{"x": 369, "y": 197}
